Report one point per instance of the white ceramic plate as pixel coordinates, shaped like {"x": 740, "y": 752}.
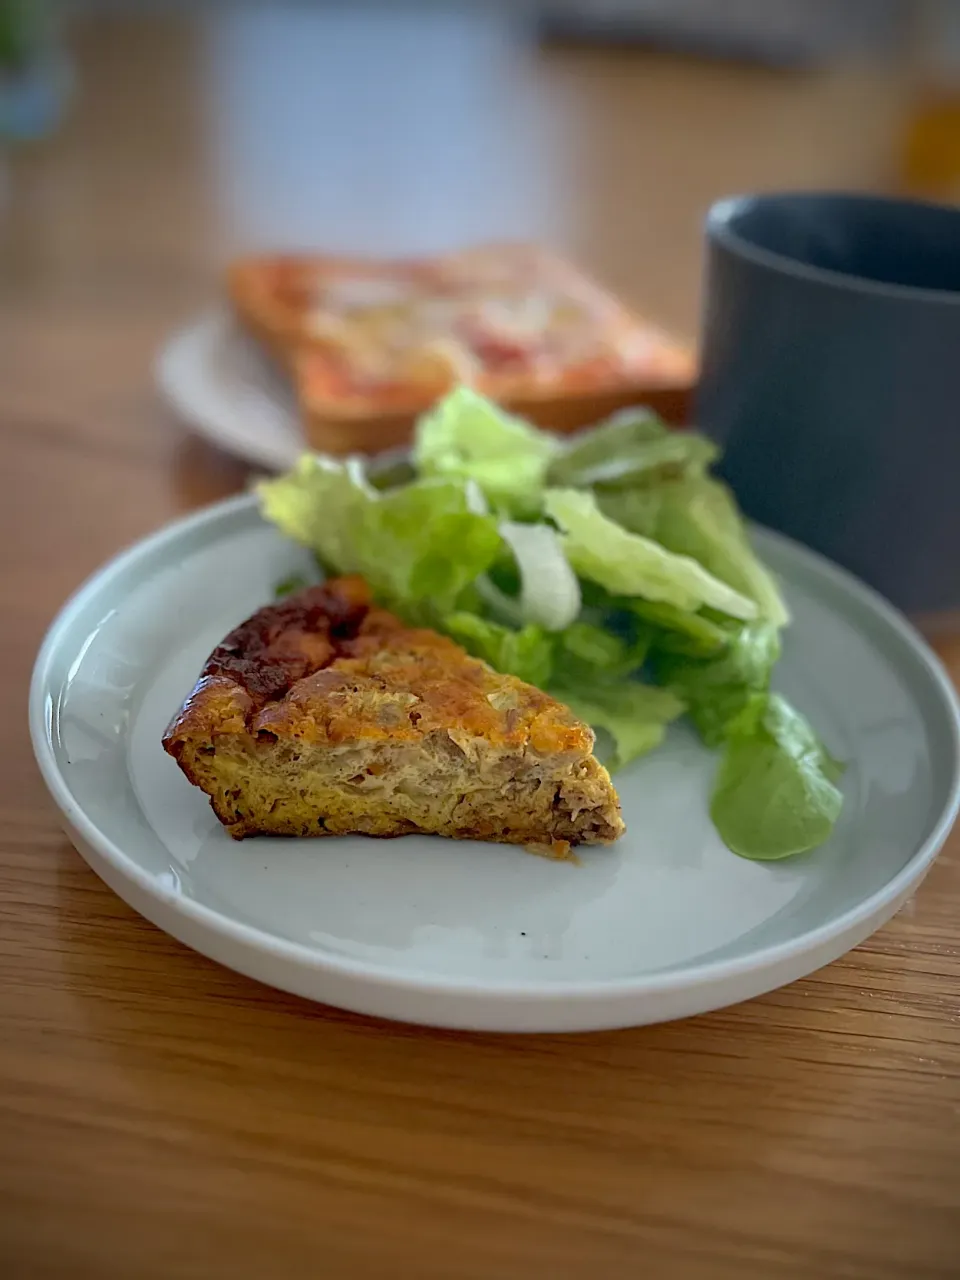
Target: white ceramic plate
{"x": 666, "y": 923}
{"x": 219, "y": 382}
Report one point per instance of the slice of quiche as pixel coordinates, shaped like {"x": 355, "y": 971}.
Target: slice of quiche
{"x": 325, "y": 715}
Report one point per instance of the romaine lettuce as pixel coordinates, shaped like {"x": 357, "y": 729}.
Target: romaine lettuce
{"x": 424, "y": 542}
{"x": 775, "y": 793}
{"x": 586, "y": 654}
{"x": 698, "y": 517}
{"x": 319, "y": 503}
{"x": 466, "y": 436}
{"x": 549, "y": 590}
{"x": 635, "y": 716}
{"x": 527, "y": 653}
{"x": 630, "y": 565}
{"x": 677, "y": 631}
{"x": 632, "y": 448}
{"x": 718, "y": 690}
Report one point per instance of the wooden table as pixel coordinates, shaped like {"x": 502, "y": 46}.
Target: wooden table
{"x": 162, "y": 1117}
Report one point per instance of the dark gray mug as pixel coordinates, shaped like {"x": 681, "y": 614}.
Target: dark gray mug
{"x": 831, "y": 377}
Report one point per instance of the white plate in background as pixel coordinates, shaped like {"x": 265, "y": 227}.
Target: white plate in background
{"x": 665, "y": 923}
{"x": 223, "y": 386}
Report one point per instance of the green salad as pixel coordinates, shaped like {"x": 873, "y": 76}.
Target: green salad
{"x": 609, "y": 568}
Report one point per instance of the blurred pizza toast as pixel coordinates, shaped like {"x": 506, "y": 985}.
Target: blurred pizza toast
{"x": 370, "y": 343}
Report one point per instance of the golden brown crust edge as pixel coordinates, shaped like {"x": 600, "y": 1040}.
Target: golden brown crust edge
{"x": 257, "y": 310}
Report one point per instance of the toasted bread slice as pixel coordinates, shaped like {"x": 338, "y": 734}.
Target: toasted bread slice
{"x": 324, "y": 715}
{"x": 371, "y": 343}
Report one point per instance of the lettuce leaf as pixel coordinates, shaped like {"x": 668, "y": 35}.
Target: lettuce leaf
{"x": 633, "y": 716}
{"x": 391, "y": 470}
{"x": 637, "y": 510}
{"x": 586, "y": 654}
{"x": 718, "y": 690}
{"x": 693, "y": 634}
{"x": 665, "y": 627}
{"x": 527, "y": 653}
{"x": 318, "y": 503}
{"x": 466, "y": 436}
{"x": 631, "y": 448}
{"x": 775, "y": 793}
{"x": 424, "y": 542}
{"x": 549, "y": 589}
{"x": 583, "y": 655}
{"x": 699, "y": 517}
{"x": 630, "y": 565}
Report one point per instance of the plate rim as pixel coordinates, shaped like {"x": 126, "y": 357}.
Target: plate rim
{"x": 872, "y": 910}
{"x": 262, "y": 449}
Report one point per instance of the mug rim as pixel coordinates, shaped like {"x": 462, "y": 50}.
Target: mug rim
{"x": 720, "y": 228}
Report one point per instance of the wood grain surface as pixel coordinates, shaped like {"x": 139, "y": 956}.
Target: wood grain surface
{"x": 160, "y": 1116}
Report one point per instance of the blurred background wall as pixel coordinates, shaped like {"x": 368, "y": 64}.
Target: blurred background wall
{"x": 606, "y": 127}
